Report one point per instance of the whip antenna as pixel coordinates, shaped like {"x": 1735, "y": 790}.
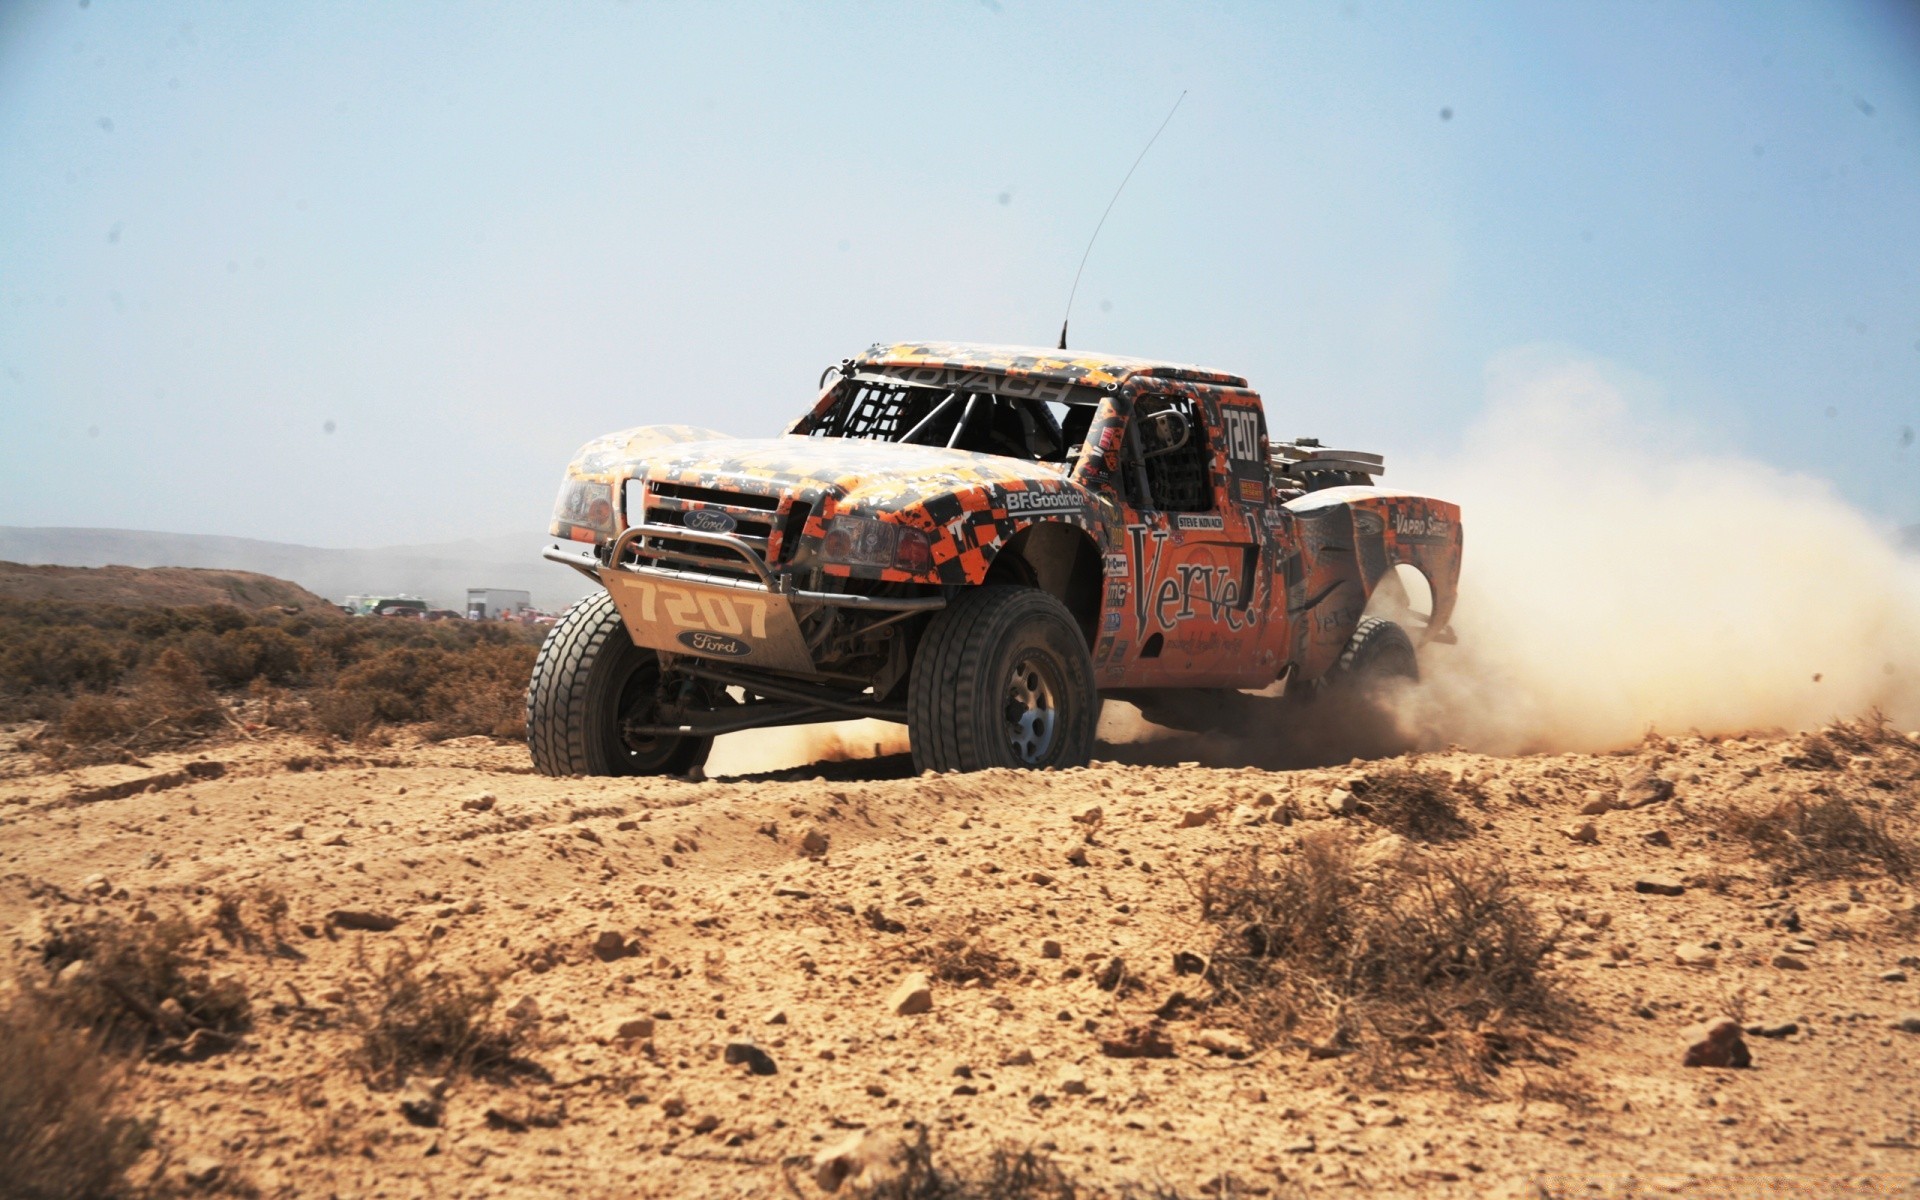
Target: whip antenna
{"x": 1103, "y": 216}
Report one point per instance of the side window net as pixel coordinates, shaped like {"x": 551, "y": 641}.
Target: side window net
{"x": 1179, "y": 479}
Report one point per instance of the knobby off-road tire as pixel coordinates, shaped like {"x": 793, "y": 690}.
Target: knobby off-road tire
{"x": 588, "y": 678}
{"x": 1002, "y": 679}
{"x": 1361, "y": 691}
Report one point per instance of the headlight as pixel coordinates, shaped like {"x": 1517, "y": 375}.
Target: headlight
{"x": 583, "y": 504}
{"x": 864, "y": 542}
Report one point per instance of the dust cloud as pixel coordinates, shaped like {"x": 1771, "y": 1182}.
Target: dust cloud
{"x": 761, "y": 750}
{"x": 1619, "y": 578}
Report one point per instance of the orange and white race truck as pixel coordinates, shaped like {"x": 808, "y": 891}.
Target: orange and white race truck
{"x": 981, "y": 542}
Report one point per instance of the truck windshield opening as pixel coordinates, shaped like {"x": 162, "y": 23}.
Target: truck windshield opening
{"x": 985, "y": 422}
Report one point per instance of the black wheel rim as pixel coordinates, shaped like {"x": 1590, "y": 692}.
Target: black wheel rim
{"x": 640, "y": 705}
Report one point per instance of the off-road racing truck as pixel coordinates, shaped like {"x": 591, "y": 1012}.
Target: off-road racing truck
{"x": 980, "y": 542}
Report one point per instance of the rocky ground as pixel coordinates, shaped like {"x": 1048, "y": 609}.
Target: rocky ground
{"x": 722, "y": 979}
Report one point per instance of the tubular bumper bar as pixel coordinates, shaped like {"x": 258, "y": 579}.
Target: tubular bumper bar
{"x": 767, "y": 580}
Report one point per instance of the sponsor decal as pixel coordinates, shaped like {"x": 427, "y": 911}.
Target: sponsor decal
{"x": 1275, "y": 517}
{"x": 955, "y": 379}
{"x": 1172, "y": 600}
{"x": 703, "y": 642}
{"x": 1116, "y": 564}
{"x": 709, "y": 520}
{"x": 744, "y": 615}
{"x": 1018, "y": 502}
{"x": 1111, "y": 622}
{"x": 1252, "y": 491}
{"x": 1199, "y": 521}
{"x": 1116, "y": 593}
{"x": 1419, "y": 526}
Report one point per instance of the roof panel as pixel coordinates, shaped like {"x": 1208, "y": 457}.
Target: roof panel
{"x": 1069, "y": 366}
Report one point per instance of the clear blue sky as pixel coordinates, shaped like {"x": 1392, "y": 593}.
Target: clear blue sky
{"x": 358, "y": 274}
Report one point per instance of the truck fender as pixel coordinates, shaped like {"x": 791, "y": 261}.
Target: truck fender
{"x": 1352, "y": 545}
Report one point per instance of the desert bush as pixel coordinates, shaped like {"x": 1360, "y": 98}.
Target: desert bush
{"x": 1825, "y": 837}
{"x": 1829, "y": 749}
{"x": 1422, "y": 805}
{"x": 481, "y": 690}
{"x": 142, "y": 983}
{"x": 1396, "y": 958}
{"x": 485, "y": 694}
{"x": 169, "y": 704}
{"x": 960, "y": 958}
{"x": 63, "y": 1134}
{"x": 418, "y": 1017}
{"x": 921, "y": 1170}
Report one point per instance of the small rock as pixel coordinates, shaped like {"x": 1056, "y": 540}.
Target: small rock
{"x": 294, "y": 833}
{"x": 1071, "y": 1080}
{"x": 1339, "y": 802}
{"x": 1111, "y": 974}
{"x": 1695, "y": 955}
{"x": 633, "y": 1029}
{"x": 609, "y": 945}
{"x": 1195, "y": 817}
{"x": 371, "y": 922}
{"x": 169, "y": 1015}
{"x": 1089, "y": 815}
{"x": 866, "y": 1159}
{"x": 1584, "y": 832}
{"x": 1596, "y": 804}
{"x": 1908, "y": 1023}
{"x": 757, "y": 1061}
{"x": 203, "y": 1172}
{"x": 1787, "y": 962}
{"x": 423, "y": 1100}
{"x": 586, "y": 835}
{"x": 1077, "y": 856}
{"x": 814, "y": 843}
{"x": 1022, "y": 1057}
{"x": 1049, "y": 949}
{"x": 526, "y": 1008}
{"x": 1893, "y": 977}
{"x": 1716, "y": 1043}
{"x": 777, "y": 1016}
{"x": 480, "y": 803}
{"x": 1643, "y": 787}
{"x": 99, "y": 885}
{"x": 1781, "y": 1030}
{"x": 1657, "y": 837}
{"x": 338, "y": 839}
{"x": 1140, "y": 1041}
{"x": 1659, "y": 885}
{"x": 912, "y": 997}
{"x": 1224, "y": 1041}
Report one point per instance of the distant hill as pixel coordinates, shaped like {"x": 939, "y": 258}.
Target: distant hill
{"x": 441, "y": 572}
{"x": 137, "y": 587}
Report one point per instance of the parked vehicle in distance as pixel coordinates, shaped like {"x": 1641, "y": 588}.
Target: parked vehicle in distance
{"x": 980, "y": 542}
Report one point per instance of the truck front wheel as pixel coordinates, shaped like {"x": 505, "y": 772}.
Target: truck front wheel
{"x": 1002, "y": 679}
{"x": 589, "y": 684}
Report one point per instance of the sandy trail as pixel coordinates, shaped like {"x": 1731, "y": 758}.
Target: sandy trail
{"x": 732, "y": 923}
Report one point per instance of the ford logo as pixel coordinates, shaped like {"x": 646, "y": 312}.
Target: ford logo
{"x": 702, "y": 642}
{"x": 708, "y": 520}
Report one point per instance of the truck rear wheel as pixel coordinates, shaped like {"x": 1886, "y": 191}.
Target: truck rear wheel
{"x": 589, "y": 682}
{"x": 1359, "y": 691}
{"x": 1002, "y": 679}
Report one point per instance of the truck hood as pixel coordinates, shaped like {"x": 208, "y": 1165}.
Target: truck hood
{"x": 877, "y": 476}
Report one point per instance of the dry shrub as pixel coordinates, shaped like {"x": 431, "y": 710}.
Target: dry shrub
{"x": 1398, "y": 958}
{"x": 481, "y": 690}
{"x": 1006, "y": 1173}
{"x": 1421, "y": 805}
{"x": 1831, "y": 837}
{"x": 1829, "y": 749}
{"x": 168, "y": 705}
{"x": 418, "y": 1017}
{"x": 958, "y": 958}
{"x": 255, "y": 918}
{"x": 63, "y": 1134}
{"x": 142, "y": 983}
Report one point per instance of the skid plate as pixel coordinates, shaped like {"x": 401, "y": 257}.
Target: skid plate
{"x": 750, "y": 626}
